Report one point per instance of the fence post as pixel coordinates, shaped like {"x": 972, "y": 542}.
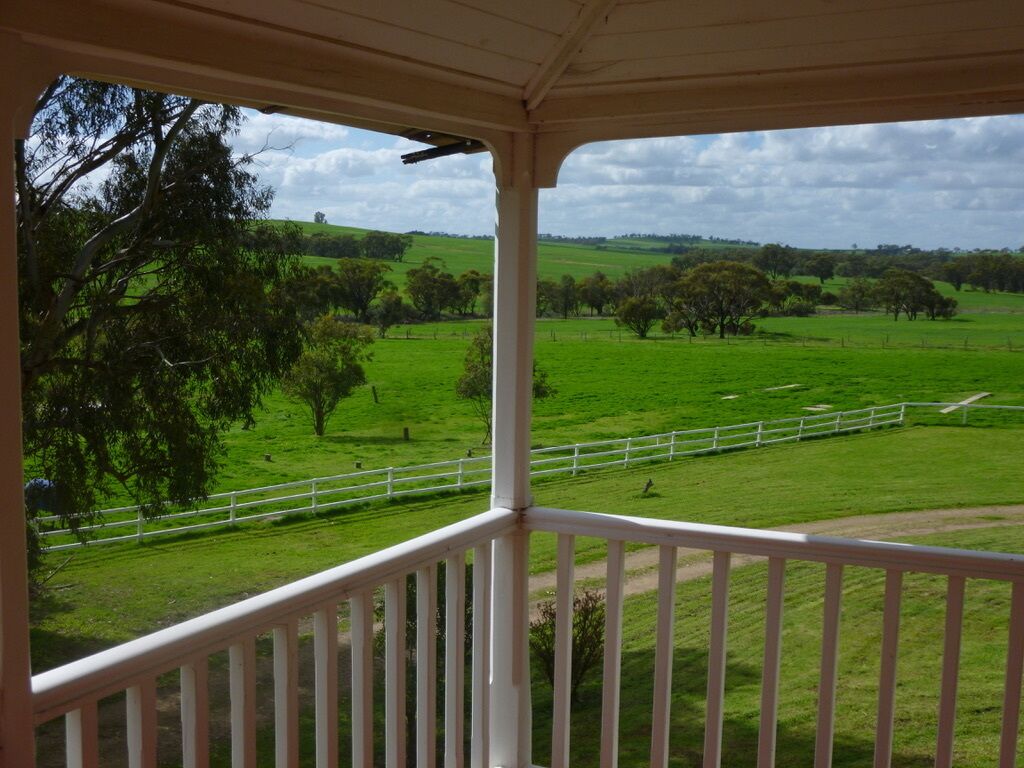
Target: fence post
{"x": 835, "y": 426}
{"x": 963, "y": 420}
{"x": 391, "y": 482}
{"x": 140, "y": 522}
{"x": 314, "y": 498}
{"x": 714, "y": 441}
{"x": 629, "y": 444}
{"x": 760, "y": 432}
{"x": 903, "y": 413}
{"x": 871, "y": 418}
{"x": 234, "y": 504}
{"x": 461, "y": 471}
{"x": 575, "y": 459}
{"x": 672, "y": 447}
{"x": 800, "y": 430}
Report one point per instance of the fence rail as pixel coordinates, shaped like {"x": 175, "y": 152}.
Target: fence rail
{"x": 325, "y": 493}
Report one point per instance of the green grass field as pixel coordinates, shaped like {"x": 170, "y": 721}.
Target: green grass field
{"x": 606, "y": 389}
{"x": 109, "y": 594}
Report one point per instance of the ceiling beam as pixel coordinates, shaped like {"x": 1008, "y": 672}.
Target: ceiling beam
{"x": 949, "y": 87}
{"x": 184, "y": 45}
{"x": 561, "y": 55}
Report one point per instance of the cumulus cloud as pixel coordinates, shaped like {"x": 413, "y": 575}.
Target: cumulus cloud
{"x": 952, "y": 183}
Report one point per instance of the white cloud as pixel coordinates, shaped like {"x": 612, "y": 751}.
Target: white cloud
{"x": 953, "y": 183}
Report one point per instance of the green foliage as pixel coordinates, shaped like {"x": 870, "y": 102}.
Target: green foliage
{"x": 899, "y": 290}
{"x": 776, "y": 260}
{"x": 384, "y": 245}
{"x": 152, "y": 313}
{"x": 721, "y": 296}
{"x": 588, "y": 611}
{"x": 389, "y": 311}
{"x": 329, "y": 368}
{"x": 639, "y": 314}
{"x": 431, "y": 289}
{"x": 359, "y": 283}
{"x": 857, "y": 295}
{"x": 476, "y": 382}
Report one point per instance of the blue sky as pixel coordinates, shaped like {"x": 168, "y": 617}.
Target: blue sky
{"x": 953, "y": 183}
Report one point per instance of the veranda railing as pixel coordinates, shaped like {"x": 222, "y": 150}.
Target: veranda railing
{"x": 499, "y": 692}
{"x": 324, "y": 493}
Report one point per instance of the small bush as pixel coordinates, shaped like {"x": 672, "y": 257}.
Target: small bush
{"x": 587, "y": 638}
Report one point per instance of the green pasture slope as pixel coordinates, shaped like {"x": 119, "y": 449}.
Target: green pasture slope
{"x": 609, "y": 389}
{"x": 461, "y": 254}
{"x": 110, "y": 594}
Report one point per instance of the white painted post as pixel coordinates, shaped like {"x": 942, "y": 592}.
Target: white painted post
{"x": 361, "y": 618}
{"x": 871, "y": 418}
{"x": 391, "y": 482}
{"x": 717, "y": 660}
{"x": 664, "y": 639}
{"x": 480, "y": 725}
{"x": 903, "y": 413}
{"x": 325, "y": 691}
{"x": 800, "y": 430}
{"x": 461, "y": 473}
{"x": 286, "y": 694}
{"x": 563, "y": 651}
{"x": 454, "y": 660}
{"x": 950, "y": 671}
{"x": 610, "y": 689}
{"x": 829, "y": 666}
{"x": 835, "y": 427}
{"x": 575, "y": 459}
{"x": 140, "y": 525}
{"x": 17, "y": 734}
{"x": 195, "y": 713}
{"x": 81, "y": 727}
{"x": 426, "y": 666}
{"x": 629, "y": 445}
{"x": 242, "y": 690}
{"x": 313, "y": 496}
{"x": 394, "y": 675}
{"x": 770, "y": 666}
{"x": 760, "y": 432}
{"x": 672, "y": 447}
{"x": 963, "y": 419}
{"x": 515, "y": 298}
{"x": 510, "y": 713}
{"x": 232, "y": 513}
{"x": 140, "y": 726}
{"x": 714, "y": 443}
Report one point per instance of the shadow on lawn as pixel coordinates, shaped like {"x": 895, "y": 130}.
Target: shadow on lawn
{"x": 795, "y": 745}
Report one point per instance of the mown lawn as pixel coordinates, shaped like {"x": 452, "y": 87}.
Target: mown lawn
{"x": 109, "y": 594}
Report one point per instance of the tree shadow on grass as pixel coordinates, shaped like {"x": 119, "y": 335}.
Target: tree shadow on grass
{"x": 795, "y": 744}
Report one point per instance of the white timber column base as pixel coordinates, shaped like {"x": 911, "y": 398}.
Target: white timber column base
{"x": 515, "y": 296}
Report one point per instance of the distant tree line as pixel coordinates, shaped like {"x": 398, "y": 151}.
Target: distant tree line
{"x": 724, "y": 297}
{"x": 384, "y": 246}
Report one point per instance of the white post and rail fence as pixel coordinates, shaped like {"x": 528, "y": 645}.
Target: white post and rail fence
{"x": 323, "y": 494}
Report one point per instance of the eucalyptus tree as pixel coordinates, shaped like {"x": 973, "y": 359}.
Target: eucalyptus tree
{"x": 152, "y": 313}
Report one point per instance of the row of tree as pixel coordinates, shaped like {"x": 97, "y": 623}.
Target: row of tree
{"x": 383, "y": 246}
{"x": 980, "y": 270}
